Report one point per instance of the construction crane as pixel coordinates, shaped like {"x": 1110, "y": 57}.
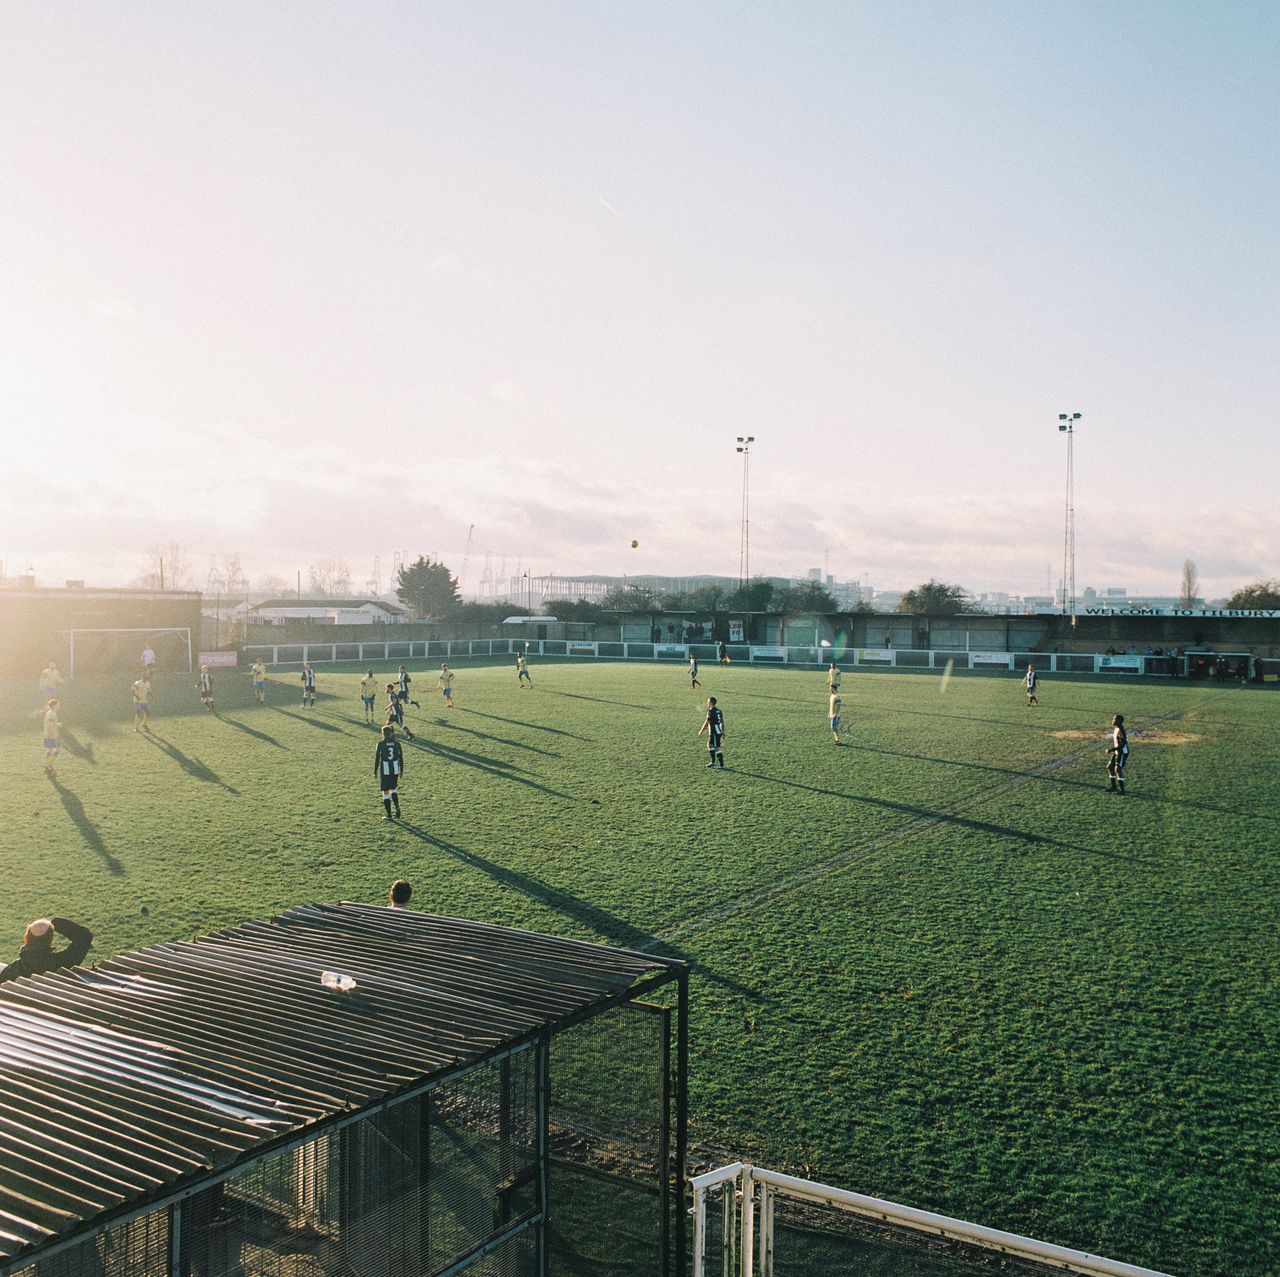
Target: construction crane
{"x": 466, "y": 561}
{"x": 486, "y": 577}
{"x": 374, "y": 583}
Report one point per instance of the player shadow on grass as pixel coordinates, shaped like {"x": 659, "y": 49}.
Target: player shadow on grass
{"x": 516, "y": 722}
{"x": 600, "y": 921}
{"x": 945, "y": 818}
{"x": 192, "y": 766}
{"x": 251, "y": 731}
{"x": 603, "y": 700}
{"x": 494, "y": 766}
{"x": 76, "y": 748}
{"x": 500, "y": 740}
{"x": 88, "y": 830}
{"x": 315, "y": 722}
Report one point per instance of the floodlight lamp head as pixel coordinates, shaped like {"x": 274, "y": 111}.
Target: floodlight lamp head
{"x": 1062, "y": 416}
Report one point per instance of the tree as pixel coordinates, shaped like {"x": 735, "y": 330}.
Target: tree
{"x": 1259, "y": 595}
{"x": 631, "y": 598}
{"x": 576, "y": 609}
{"x": 227, "y": 577}
{"x": 273, "y": 583}
{"x": 167, "y": 568}
{"x": 757, "y": 596}
{"x": 1190, "y": 588}
{"x": 330, "y": 577}
{"x": 934, "y": 598}
{"x": 804, "y": 596}
{"x": 427, "y": 588}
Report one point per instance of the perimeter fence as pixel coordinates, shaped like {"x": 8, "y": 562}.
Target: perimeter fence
{"x": 750, "y": 1222}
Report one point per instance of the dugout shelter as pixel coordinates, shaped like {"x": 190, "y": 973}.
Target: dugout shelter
{"x": 481, "y": 1100}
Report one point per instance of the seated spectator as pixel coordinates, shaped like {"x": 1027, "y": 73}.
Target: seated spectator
{"x": 38, "y": 954}
{"x": 400, "y": 894}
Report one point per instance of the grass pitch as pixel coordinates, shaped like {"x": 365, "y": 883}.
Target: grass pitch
{"x": 938, "y": 963}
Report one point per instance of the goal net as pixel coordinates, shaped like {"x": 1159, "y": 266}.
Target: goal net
{"x": 120, "y": 651}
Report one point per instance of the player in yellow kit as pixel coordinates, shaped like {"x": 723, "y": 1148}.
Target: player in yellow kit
{"x": 141, "y": 693}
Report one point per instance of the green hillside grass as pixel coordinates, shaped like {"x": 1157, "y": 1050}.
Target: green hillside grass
{"x": 938, "y": 963}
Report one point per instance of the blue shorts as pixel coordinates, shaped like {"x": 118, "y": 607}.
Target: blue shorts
{"x": 142, "y": 707}
{"x": 260, "y": 684}
{"x": 835, "y": 723}
{"x": 446, "y": 691}
{"x": 49, "y": 690}
{"x": 52, "y": 745}
{"x": 368, "y": 700}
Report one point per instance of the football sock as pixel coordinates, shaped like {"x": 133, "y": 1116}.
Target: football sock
{"x": 386, "y": 803}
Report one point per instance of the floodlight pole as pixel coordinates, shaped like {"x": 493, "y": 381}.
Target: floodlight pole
{"x": 1066, "y": 425}
{"x": 744, "y": 541}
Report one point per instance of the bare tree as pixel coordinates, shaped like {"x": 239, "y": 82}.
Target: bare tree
{"x": 228, "y": 576}
{"x": 1190, "y": 588}
{"x": 273, "y": 583}
{"x": 167, "y": 568}
{"x": 330, "y": 576}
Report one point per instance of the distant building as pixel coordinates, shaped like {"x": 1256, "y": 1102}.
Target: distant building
{"x": 323, "y": 612}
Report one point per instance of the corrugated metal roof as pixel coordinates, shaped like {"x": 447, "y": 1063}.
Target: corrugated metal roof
{"x": 118, "y": 1081}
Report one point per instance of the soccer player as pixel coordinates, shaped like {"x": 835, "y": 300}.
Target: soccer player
{"x": 50, "y": 680}
{"x": 714, "y": 727}
{"x": 1117, "y": 754}
{"x": 259, "y": 673}
{"x": 388, "y": 767}
{"x": 395, "y": 710}
{"x": 445, "y": 684}
{"x": 52, "y": 735}
{"x": 833, "y": 715}
{"x": 693, "y": 671}
{"x": 206, "y": 688}
{"x": 308, "y": 685}
{"x": 522, "y": 671}
{"x": 403, "y": 692}
{"x": 833, "y": 677}
{"x": 368, "y": 692}
{"x": 1032, "y": 684}
{"x": 722, "y": 653}
{"x": 141, "y": 693}
{"x": 148, "y": 662}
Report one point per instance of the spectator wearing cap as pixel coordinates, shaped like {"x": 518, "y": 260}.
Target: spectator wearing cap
{"x": 38, "y": 955}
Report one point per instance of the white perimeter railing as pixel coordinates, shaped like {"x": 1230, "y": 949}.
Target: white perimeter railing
{"x": 748, "y": 1196}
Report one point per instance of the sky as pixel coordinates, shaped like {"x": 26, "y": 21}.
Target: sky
{"x": 313, "y": 280}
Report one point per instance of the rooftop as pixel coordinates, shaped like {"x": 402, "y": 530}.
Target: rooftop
{"x": 120, "y": 1082}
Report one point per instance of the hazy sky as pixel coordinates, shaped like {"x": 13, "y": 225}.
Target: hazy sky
{"x": 305, "y": 280}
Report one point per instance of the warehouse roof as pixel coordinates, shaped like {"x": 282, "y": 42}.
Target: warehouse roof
{"x": 119, "y": 1081}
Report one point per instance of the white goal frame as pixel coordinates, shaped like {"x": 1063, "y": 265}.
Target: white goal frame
{"x": 136, "y": 629}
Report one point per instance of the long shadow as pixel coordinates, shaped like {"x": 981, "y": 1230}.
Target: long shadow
{"x": 250, "y": 731}
{"x": 601, "y": 921}
{"x": 516, "y": 722}
{"x": 76, "y": 748}
{"x": 501, "y": 740}
{"x": 315, "y": 722}
{"x": 88, "y": 830}
{"x": 603, "y": 700}
{"x": 943, "y": 818}
{"x": 493, "y": 766}
{"x": 192, "y": 766}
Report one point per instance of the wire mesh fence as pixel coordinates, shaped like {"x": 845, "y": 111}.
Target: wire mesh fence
{"x": 611, "y": 1204}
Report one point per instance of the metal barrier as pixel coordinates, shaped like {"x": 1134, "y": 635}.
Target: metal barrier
{"x": 750, "y": 1222}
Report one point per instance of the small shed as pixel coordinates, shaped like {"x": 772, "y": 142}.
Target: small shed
{"x": 480, "y": 1099}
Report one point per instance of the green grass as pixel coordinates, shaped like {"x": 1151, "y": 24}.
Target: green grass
{"x": 939, "y": 964}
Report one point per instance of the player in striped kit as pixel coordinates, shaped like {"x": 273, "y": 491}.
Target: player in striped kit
{"x": 714, "y": 727}
{"x": 388, "y": 767}
{"x": 1032, "y": 684}
{"x": 206, "y": 688}
{"x": 1117, "y": 754}
{"x": 308, "y": 685}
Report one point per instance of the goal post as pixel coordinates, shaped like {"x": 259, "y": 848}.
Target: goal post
{"x": 107, "y": 651}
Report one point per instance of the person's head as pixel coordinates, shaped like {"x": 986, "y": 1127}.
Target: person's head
{"x": 306, "y": 665}
{"x": 369, "y": 674}
{"x": 204, "y": 669}
{"x": 388, "y": 732}
{"x": 711, "y": 702}
{"x": 402, "y": 669}
{"x": 391, "y": 687}
{"x": 445, "y": 666}
{"x": 39, "y": 934}
{"x": 51, "y": 703}
{"x": 1118, "y": 721}
{"x": 401, "y": 893}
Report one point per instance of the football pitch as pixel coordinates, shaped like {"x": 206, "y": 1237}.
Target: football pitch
{"x": 938, "y": 963}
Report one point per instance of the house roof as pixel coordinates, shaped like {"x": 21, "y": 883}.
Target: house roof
{"x": 310, "y": 604}
{"x": 122, "y": 1083}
